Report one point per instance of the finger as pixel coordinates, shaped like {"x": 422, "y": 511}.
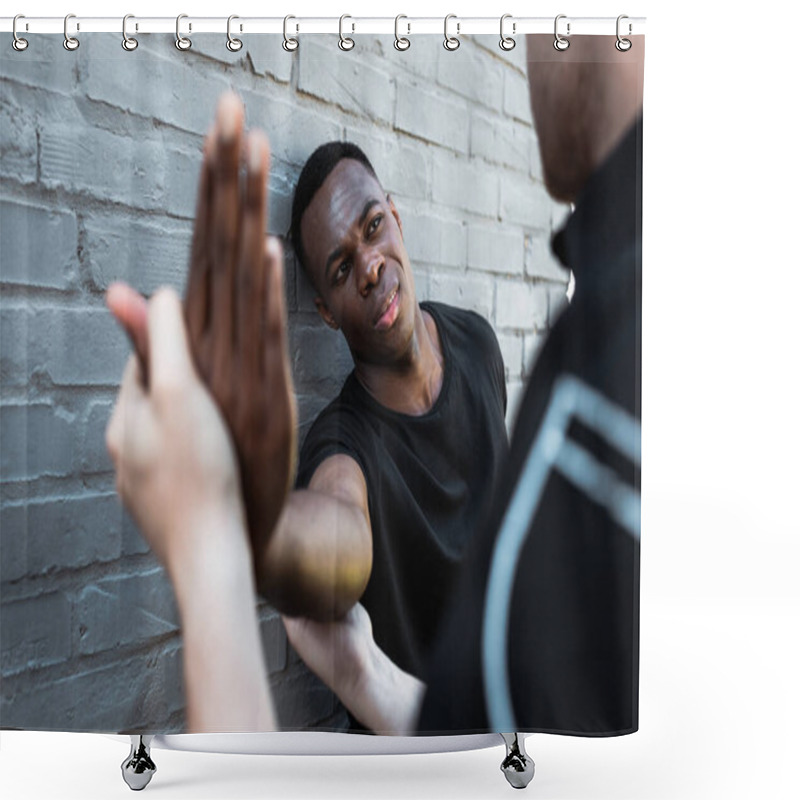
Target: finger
{"x": 170, "y": 360}
{"x": 250, "y": 271}
{"x": 115, "y": 427}
{"x": 130, "y": 310}
{"x": 119, "y": 437}
{"x": 197, "y": 286}
{"x": 273, "y": 341}
{"x": 224, "y": 228}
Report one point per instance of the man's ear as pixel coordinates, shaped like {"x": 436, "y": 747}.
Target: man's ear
{"x": 325, "y": 313}
{"x": 395, "y": 213}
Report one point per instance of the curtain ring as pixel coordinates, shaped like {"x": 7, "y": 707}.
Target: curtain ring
{"x": 181, "y": 42}
{"x": 451, "y": 42}
{"x": 507, "y": 42}
{"x": 19, "y": 44}
{"x": 560, "y": 43}
{"x": 345, "y": 42}
{"x": 128, "y": 42}
{"x": 623, "y": 45}
{"x": 290, "y": 43}
{"x": 70, "y": 42}
{"x": 233, "y": 44}
{"x": 401, "y": 42}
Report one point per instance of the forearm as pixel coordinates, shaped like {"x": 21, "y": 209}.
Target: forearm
{"x": 225, "y": 675}
{"x": 319, "y": 560}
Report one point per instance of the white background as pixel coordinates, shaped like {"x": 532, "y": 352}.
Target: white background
{"x": 721, "y": 437}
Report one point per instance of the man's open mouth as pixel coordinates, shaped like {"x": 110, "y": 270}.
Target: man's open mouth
{"x": 389, "y": 310}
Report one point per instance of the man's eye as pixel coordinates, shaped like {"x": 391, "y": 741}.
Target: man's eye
{"x": 342, "y": 270}
{"x": 374, "y": 223}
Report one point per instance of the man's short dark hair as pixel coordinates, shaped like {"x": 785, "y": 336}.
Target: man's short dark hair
{"x": 320, "y": 164}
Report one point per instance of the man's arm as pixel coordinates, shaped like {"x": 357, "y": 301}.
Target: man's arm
{"x": 183, "y": 491}
{"x": 318, "y": 561}
{"x": 345, "y": 656}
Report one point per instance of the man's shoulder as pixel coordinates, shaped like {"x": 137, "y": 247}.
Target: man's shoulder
{"x": 346, "y": 405}
{"x": 460, "y": 318}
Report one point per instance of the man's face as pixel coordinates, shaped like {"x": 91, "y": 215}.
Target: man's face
{"x": 353, "y": 243}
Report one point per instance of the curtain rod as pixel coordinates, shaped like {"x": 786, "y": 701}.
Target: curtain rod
{"x": 348, "y": 25}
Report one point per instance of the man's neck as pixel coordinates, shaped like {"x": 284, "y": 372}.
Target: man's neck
{"x": 413, "y": 383}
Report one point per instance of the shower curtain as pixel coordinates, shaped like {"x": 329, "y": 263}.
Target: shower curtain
{"x": 502, "y": 498}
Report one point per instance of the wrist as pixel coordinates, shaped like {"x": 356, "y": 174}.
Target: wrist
{"x": 383, "y": 696}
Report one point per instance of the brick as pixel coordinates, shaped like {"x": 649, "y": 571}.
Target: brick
{"x": 282, "y": 180}
{"x": 403, "y": 169}
{"x": 34, "y": 633}
{"x": 495, "y": 248}
{"x": 18, "y": 146}
{"x": 95, "y": 457}
{"x": 153, "y": 82}
{"x": 474, "y": 74}
{"x": 516, "y": 97}
{"x": 524, "y": 202}
{"x": 308, "y": 409}
{"x": 536, "y": 160}
{"x": 145, "y": 254}
{"x": 320, "y": 357}
{"x": 169, "y": 671}
{"x": 473, "y": 292}
{"x": 206, "y": 46}
{"x": 420, "y": 62}
{"x": 434, "y": 240}
{"x": 283, "y": 123}
{"x": 13, "y": 542}
{"x": 112, "y": 168}
{"x": 539, "y": 259}
{"x": 345, "y": 81}
{"x": 533, "y": 345}
{"x": 301, "y": 699}
{"x": 466, "y": 185}
{"x": 38, "y": 439}
{"x": 38, "y": 246}
{"x": 133, "y": 543}
{"x": 559, "y": 214}
{"x": 511, "y": 347}
{"x": 501, "y": 141}
{"x": 124, "y": 696}
{"x": 556, "y": 302}
{"x": 520, "y": 305}
{"x": 66, "y": 532}
{"x": 274, "y": 642}
{"x": 181, "y": 169}
{"x": 305, "y": 290}
{"x": 434, "y": 117}
{"x": 73, "y": 346}
{"x": 45, "y": 63}
{"x": 268, "y": 57}
{"x": 515, "y": 59}
{"x": 123, "y": 610}
{"x": 515, "y": 391}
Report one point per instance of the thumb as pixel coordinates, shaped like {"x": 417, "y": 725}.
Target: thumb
{"x": 170, "y": 360}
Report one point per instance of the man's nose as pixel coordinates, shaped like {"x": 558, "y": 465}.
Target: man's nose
{"x": 370, "y": 269}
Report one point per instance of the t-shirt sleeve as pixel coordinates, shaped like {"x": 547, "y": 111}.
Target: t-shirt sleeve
{"x": 336, "y": 430}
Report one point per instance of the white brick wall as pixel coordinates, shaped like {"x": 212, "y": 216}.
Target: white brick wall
{"x": 99, "y": 158}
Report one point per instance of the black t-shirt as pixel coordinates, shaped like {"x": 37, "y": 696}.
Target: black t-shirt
{"x": 568, "y": 648}
{"x": 427, "y": 478}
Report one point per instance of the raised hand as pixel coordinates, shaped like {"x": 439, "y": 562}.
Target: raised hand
{"x": 236, "y": 315}
{"x": 172, "y": 453}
